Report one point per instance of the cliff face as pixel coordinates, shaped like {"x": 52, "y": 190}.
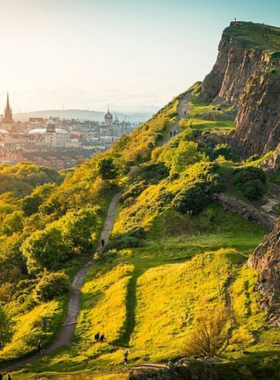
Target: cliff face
{"x": 266, "y": 259}
{"x": 242, "y": 76}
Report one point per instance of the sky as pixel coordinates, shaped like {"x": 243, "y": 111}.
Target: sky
{"x": 130, "y": 55}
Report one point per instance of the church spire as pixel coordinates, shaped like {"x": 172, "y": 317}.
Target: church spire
{"x": 8, "y": 119}
{"x": 8, "y": 102}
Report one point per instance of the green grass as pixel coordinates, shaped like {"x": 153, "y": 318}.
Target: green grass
{"x": 261, "y": 36}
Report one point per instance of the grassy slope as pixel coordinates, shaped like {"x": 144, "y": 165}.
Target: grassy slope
{"x": 261, "y": 36}
{"x": 147, "y": 297}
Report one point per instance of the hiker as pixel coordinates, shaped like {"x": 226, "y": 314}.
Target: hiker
{"x": 96, "y": 336}
{"x": 9, "y": 377}
{"x": 1, "y": 376}
{"x": 40, "y": 347}
{"x": 102, "y": 338}
{"x": 125, "y": 357}
{"x": 174, "y": 133}
{"x": 102, "y": 243}
{"x": 170, "y": 134}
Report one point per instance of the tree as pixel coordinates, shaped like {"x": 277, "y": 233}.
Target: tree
{"x": 45, "y": 249}
{"x": 5, "y": 328}
{"x": 107, "y": 169}
{"x": 214, "y": 333}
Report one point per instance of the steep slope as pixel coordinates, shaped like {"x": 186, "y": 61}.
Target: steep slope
{"x": 266, "y": 259}
{"x": 246, "y": 75}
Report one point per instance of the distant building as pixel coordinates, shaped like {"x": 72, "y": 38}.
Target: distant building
{"x": 108, "y": 119}
{"x": 8, "y": 115}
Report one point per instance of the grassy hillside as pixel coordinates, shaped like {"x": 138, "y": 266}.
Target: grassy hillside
{"x": 261, "y": 36}
{"x": 174, "y": 254}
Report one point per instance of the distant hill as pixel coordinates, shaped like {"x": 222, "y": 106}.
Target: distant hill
{"x": 82, "y": 115}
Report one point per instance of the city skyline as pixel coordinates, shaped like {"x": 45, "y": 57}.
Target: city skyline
{"x": 133, "y": 55}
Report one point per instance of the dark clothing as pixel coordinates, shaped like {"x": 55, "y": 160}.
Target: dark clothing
{"x": 1, "y": 376}
{"x": 102, "y": 243}
{"x": 40, "y": 347}
{"x": 9, "y": 377}
{"x": 125, "y": 357}
{"x": 102, "y": 337}
{"x": 96, "y": 337}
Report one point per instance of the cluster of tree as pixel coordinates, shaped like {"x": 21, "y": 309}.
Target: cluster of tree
{"x": 21, "y": 179}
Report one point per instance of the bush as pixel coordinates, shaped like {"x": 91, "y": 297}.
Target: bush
{"x": 51, "y": 285}
{"x": 221, "y": 150}
{"x": 251, "y": 182}
{"x": 132, "y": 239}
{"x": 134, "y": 190}
{"x": 213, "y": 334}
{"x": 191, "y": 199}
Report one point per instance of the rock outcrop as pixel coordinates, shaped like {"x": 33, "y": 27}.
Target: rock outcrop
{"x": 264, "y": 220}
{"x": 189, "y": 369}
{"x": 246, "y": 77}
{"x": 266, "y": 259}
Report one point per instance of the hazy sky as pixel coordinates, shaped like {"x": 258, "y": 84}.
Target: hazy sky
{"x": 130, "y": 54}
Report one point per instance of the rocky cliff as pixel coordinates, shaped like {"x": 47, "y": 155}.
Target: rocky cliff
{"x": 266, "y": 259}
{"x": 246, "y": 75}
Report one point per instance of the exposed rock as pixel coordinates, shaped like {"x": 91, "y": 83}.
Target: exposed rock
{"x": 242, "y": 76}
{"x": 245, "y": 211}
{"x": 266, "y": 259}
{"x": 192, "y": 370}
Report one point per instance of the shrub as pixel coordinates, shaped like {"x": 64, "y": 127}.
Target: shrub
{"x": 134, "y": 190}
{"x": 221, "y": 150}
{"x": 131, "y": 239}
{"x": 191, "y": 199}
{"x": 51, "y": 285}
{"x": 213, "y": 334}
{"x": 251, "y": 182}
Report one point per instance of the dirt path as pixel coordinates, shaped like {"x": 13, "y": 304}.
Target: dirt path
{"x": 183, "y": 108}
{"x": 65, "y": 335}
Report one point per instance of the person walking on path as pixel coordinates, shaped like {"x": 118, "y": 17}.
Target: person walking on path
{"x": 40, "y": 347}
{"x": 125, "y": 357}
{"x": 102, "y": 338}
{"x": 9, "y": 377}
{"x": 102, "y": 243}
{"x": 96, "y": 336}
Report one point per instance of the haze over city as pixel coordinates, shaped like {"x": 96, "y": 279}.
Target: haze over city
{"x": 131, "y": 55}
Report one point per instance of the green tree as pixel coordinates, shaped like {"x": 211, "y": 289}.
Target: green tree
{"x": 107, "y": 169}
{"x": 45, "y": 249}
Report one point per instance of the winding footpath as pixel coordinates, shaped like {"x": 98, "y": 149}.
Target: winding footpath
{"x": 66, "y": 333}
{"x": 68, "y": 328}
{"x": 183, "y": 108}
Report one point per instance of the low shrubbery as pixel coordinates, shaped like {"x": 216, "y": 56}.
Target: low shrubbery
{"x": 251, "y": 182}
{"x": 51, "y": 285}
{"x": 131, "y": 239}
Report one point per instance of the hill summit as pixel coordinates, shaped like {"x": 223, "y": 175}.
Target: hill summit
{"x": 246, "y": 75}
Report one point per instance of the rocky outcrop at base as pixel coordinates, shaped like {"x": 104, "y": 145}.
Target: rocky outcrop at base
{"x": 247, "y": 212}
{"x": 266, "y": 259}
{"x": 195, "y": 370}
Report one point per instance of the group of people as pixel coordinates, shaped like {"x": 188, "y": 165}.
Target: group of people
{"x": 99, "y": 338}
{"x": 8, "y": 376}
{"x": 173, "y": 133}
